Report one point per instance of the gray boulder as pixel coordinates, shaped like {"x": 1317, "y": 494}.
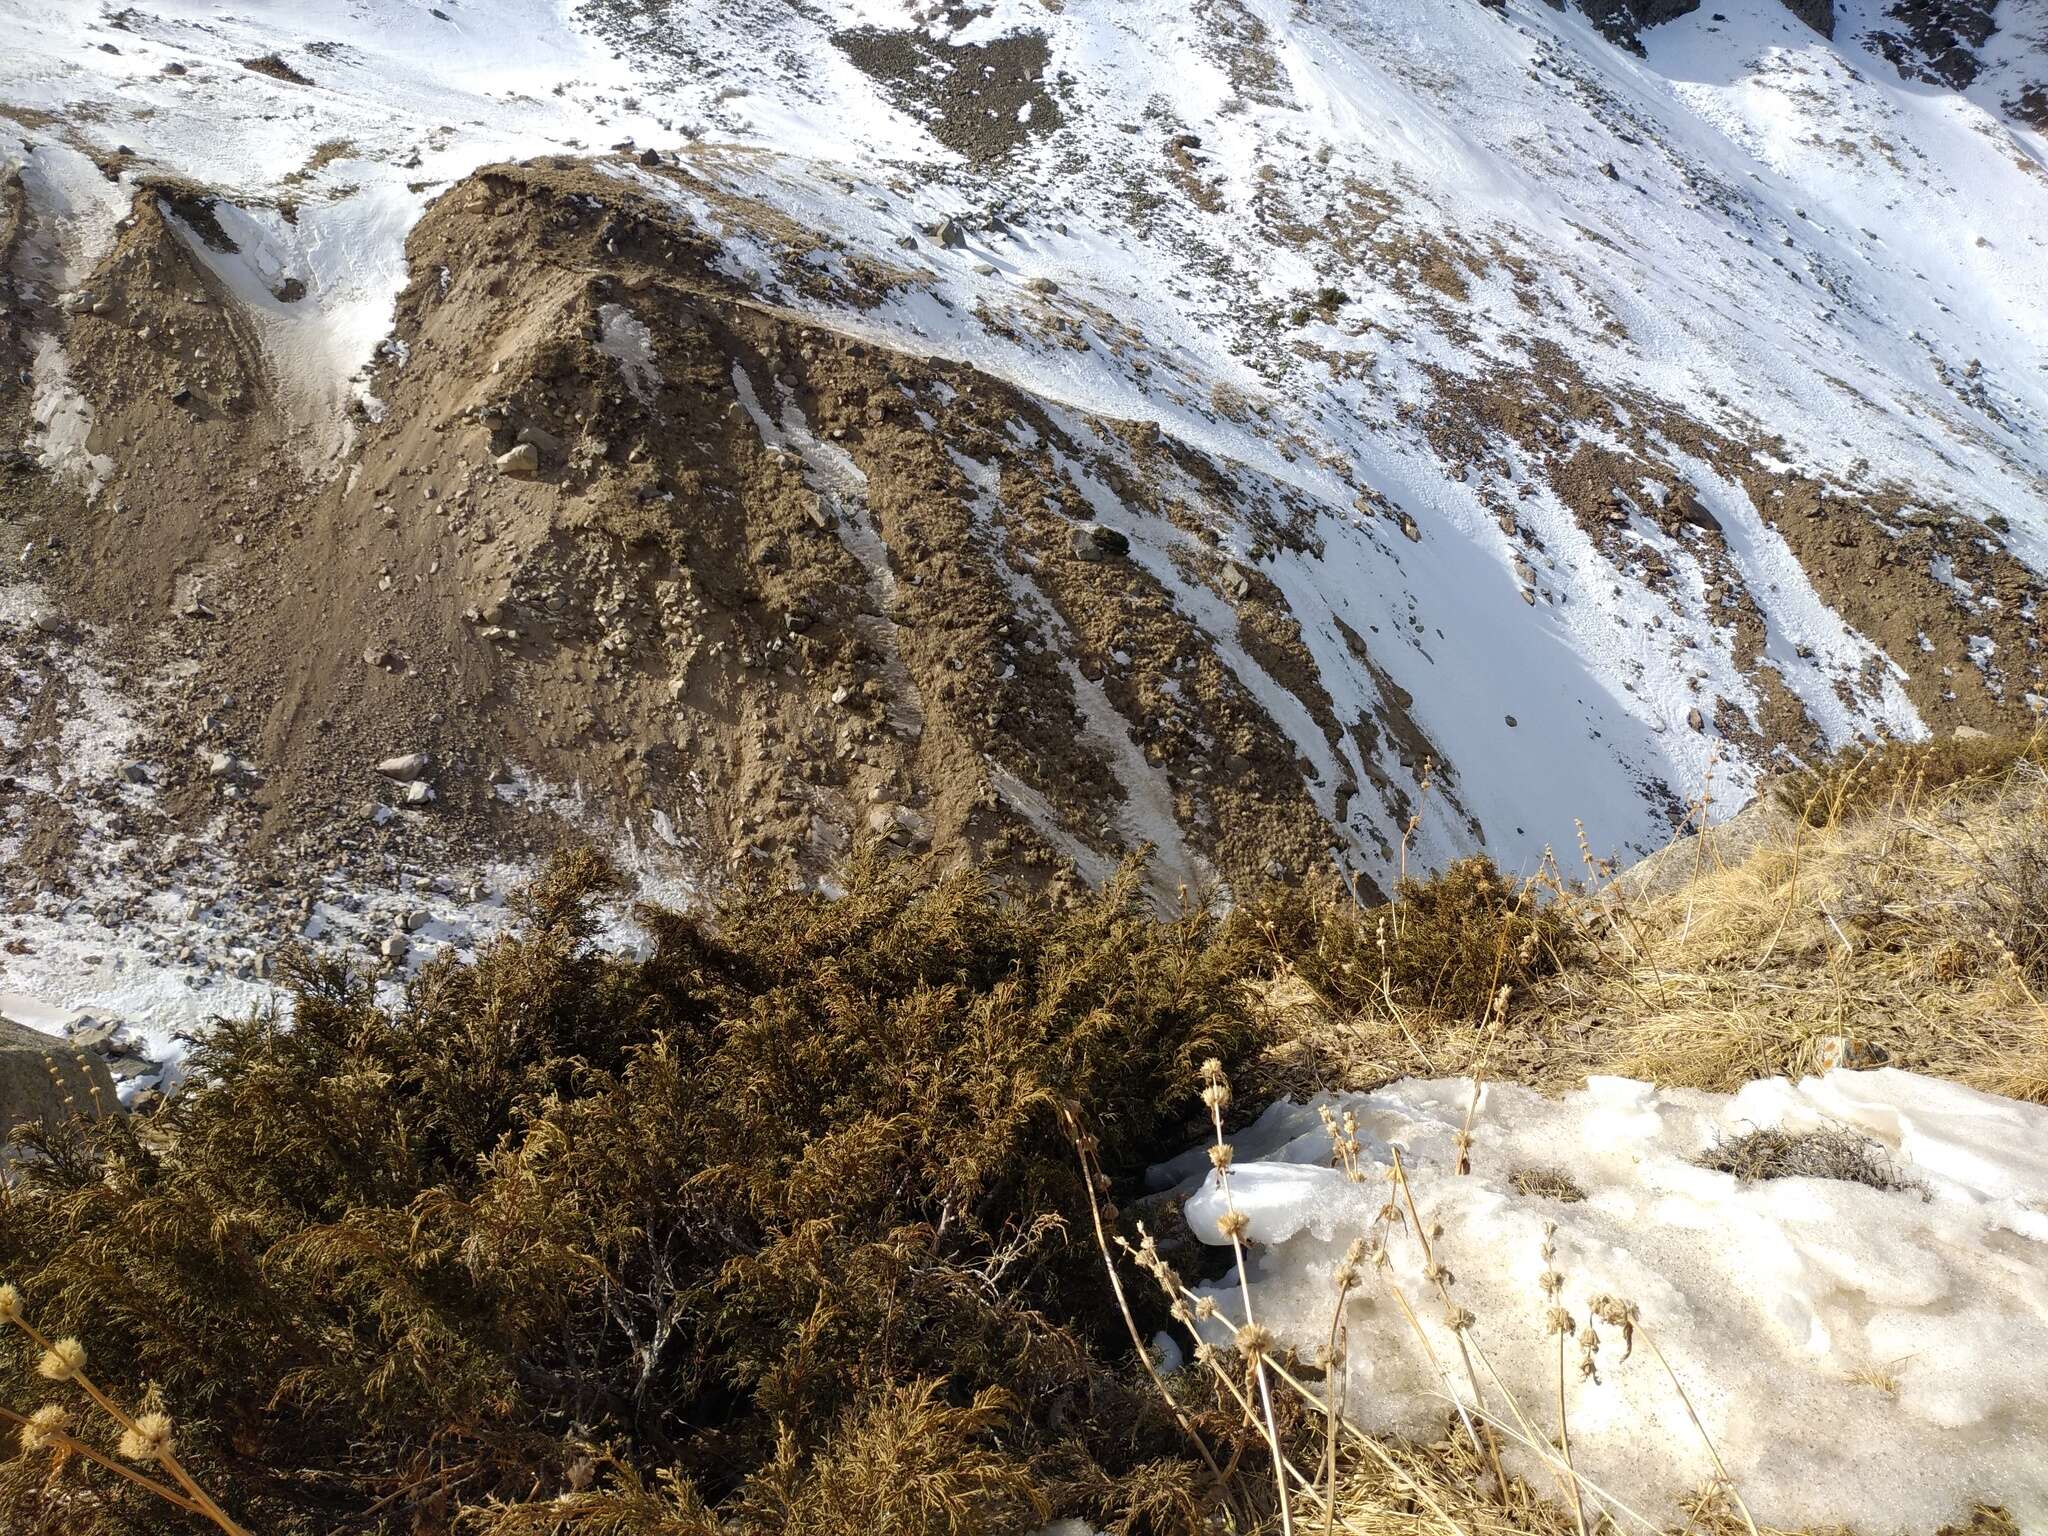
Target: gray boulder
{"x": 47, "y": 1080}
{"x": 1092, "y": 541}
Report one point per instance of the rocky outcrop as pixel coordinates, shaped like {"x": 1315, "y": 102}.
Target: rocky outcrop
{"x": 1817, "y": 14}
{"x": 44, "y": 1080}
{"x": 1620, "y": 21}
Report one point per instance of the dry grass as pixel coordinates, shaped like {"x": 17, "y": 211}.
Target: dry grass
{"x": 1547, "y": 1184}
{"x": 1912, "y": 933}
{"x": 1831, "y": 1153}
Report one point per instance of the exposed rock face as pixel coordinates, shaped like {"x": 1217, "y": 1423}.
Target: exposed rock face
{"x": 1937, "y": 40}
{"x": 46, "y": 1079}
{"x": 1817, "y": 14}
{"x": 1621, "y": 20}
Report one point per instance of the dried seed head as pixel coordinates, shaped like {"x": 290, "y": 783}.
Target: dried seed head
{"x": 1551, "y": 1282}
{"x": 1613, "y": 1311}
{"x": 1205, "y": 1307}
{"x": 1557, "y": 1320}
{"x": 62, "y": 1360}
{"x": 1457, "y": 1319}
{"x": 149, "y": 1440}
{"x": 10, "y": 1304}
{"x": 1253, "y": 1340}
{"x": 1212, "y": 1071}
{"x": 1216, "y": 1096}
{"x": 1617, "y": 1313}
{"x": 1219, "y": 1156}
{"x": 1233, "y": 1224}
{"x": 44, "y": 1425}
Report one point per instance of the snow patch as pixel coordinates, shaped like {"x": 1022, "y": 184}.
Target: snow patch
{"x": 1861, "y": 1356}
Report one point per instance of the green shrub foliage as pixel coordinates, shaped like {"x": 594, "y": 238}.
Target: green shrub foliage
{"x": 774, "y": 1229}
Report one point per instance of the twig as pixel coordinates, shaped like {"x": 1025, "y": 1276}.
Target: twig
{"x": 76, "y": 1447}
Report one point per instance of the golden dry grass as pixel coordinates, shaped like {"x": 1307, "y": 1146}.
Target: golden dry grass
{"x": 1889, "y": 908}
{"x": 1913, "y": 930}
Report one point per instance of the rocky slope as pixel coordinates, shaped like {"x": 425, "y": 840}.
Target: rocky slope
{"x": 1289, "y": 437}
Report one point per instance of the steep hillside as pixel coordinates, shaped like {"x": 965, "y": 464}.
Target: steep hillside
{"x": 1289, "y": 436}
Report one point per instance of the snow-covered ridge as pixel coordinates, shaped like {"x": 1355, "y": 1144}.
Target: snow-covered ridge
{"x": 1861, "y": 1357}
{"x": 1344, "y": 251}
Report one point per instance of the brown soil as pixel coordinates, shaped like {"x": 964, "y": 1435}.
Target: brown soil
{"x": 761, "y": 647}
{"x": 670, "y": 612}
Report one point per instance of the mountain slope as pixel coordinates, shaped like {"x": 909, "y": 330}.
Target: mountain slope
{"x": 1600, "y": 412}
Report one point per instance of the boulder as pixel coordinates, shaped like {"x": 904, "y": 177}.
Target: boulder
{"x": 1092, "y": 541}
{"x": 46, "y": 1080}
{"x": 411, "y": 765}
{"x": 899, "y": 826}
{"x": 521, "y": 462}
{"x": 1685, "y": 504}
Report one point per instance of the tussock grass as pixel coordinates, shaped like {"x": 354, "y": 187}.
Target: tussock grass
{"x": 1829, "y": 1153}
{"x": 1911, "y": 932}
{"x": 1898, "y": 777}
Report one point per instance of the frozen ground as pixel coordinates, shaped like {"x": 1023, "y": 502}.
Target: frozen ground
{"x": 1860, "y": 1356}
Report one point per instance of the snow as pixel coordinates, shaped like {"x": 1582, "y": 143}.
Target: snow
{"x": 1859, "y": 1356}
{"x": 626, "y": 340}
{"x": 1796, "y": 249}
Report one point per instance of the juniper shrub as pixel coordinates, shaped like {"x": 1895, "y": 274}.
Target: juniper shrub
{"x": 772, "y": 1229}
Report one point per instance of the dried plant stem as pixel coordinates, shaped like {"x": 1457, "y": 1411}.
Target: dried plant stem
{"x": 1452, "y": 1313}
{"x": 1564, "y": 1445}
{"x": 1307, "y": 1484}
{"x": 113, "y": 1410}
{"x": 77, "y": 1447}
{"x": 1332, "y": 1403}
{"x": 1720, "y": 1468}
{"x": 1216, "y": 1094}
{"x": 1546, "y": 1453}
{"x": 1089, "y": 1174}
{"x": 1418, "y": 1490}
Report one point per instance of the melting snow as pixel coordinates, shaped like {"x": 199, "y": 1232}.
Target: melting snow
{"x": 1860, "y": 1356}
